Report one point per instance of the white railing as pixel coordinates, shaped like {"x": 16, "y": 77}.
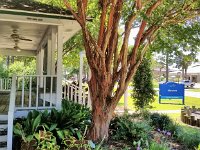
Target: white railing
{"x": 5, "y": 84}
{"x": 36, "y": 92}
{"x": 11, "y": 111}
{"x": 71, "y": 92}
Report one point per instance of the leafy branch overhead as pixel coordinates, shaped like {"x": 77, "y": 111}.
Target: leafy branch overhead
{"x": 150, "y": 15}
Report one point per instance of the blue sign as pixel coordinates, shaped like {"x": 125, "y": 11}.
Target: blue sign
{"x": 171, "y": 90}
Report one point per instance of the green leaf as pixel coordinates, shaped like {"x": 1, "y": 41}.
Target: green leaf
{"x": 61, "y": 134}
{"x": 36, "y": 122}
{"x": 78, "y": 133}
{"x": 29, "y": 138}
{"x": 53, "y": 126}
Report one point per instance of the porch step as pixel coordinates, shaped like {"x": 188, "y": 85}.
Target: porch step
{"x": 3, "y": 138}
{"x": 3, "y": 127}
{"x": 3, "y": 117}
{"x": 3, "y": 131}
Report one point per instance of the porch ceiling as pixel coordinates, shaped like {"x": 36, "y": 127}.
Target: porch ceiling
{"x": 34, "y": 32}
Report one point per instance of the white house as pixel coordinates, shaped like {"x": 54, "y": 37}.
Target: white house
{"x": 33, "y": 29}
{"x": 193, "y": 73}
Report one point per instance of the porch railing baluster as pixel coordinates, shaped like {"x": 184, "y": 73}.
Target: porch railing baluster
{"x": 51, "y": 92}
{"x": 84, "y": 97}
{"x": 71, "y": 97}
{"x": 22, "y": 92}
{"x": 44, "y": 91}
{"x": 37, "y": 91}
{"x": 68, "y": 92}
{"x": 75, "y": 94}
{"x": 65, "y": 91}
{"x": 30, "y": 91}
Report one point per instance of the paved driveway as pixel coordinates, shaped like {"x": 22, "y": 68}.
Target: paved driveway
{"x": 192, "y": 94}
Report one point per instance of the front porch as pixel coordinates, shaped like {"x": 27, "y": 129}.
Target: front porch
{"x": 40, "y": 35}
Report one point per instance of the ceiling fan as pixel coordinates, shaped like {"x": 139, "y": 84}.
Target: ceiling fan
{"x": 16, "y": 38}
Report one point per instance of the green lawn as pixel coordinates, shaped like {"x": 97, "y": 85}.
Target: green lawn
{"x": 166, "y": 104}
{"x": 155, "y": 84}
{"x": 194, "y": 90}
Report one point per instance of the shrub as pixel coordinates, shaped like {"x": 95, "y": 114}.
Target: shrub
{"x": 161, "y": 121}
{"x": 123, "y": 128}
{"x": 143, "y": 92}
{"x": 73, "y": 118}
{"x": 188, "y": 136}
{"x": 156, "y": 146}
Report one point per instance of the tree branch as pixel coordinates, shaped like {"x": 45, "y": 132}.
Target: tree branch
{"x": 67, "y": 4}
{"x": 109, "y": 26}
{"x": 149, "y": 11}
{"x": 102, "y": 23}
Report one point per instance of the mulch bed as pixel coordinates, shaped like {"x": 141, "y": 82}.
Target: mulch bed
{"x": 155, "y": 135}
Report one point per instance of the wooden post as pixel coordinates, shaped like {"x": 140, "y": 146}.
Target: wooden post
{"x": 198, "y": 123}
{"x": 182, "y": 114}
{"x": 192, "y": 120}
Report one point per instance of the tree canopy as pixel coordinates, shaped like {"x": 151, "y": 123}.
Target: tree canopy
{"x": 109, "y": 59}
{"x": 107, "y": 50}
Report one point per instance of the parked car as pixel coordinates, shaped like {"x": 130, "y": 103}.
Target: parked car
{"x": 188, "y": 83}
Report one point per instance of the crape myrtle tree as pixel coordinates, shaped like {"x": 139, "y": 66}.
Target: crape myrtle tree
{"x": 108, "y": 58}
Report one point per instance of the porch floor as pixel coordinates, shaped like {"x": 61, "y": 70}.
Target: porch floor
{"x": 5, "y": 98}
{"x": 4, "y": 102}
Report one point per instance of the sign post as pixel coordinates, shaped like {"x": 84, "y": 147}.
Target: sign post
{"x": 172, "y": 90}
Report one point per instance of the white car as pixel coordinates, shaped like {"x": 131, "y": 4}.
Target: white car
{"x": 188, "y": 83}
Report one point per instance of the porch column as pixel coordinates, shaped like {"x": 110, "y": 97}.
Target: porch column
{"x": 53, "y": 48}
{"x": 49, "y": 49}
{"x": 41, "y": 66}
{"x": 59, "y": 66}
{"x": 80, "y": 77}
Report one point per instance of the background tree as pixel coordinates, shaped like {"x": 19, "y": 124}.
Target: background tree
{"x": 143, "y": 92}
{"x": 110, "y": 62}
{"x": 183, "y": 61}
{"x": 3, "y": 69}
{"x": 21, "y": 66}
{"x": 181, "y": 42}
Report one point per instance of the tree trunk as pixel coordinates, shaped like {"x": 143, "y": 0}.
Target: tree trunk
{"x": 102, "y": 110}
{"x": 183, "y": 74}
{"x": 167, "y": 67}
{"x": 100, "y": 122}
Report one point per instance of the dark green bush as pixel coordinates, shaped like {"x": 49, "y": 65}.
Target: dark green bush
{"x": 143, "y": 93}
{"x": 72, "y": 115}
{"x": 124, "y": 128}
{"x": 160, "y": 121}
{"x": 73, "y": 118}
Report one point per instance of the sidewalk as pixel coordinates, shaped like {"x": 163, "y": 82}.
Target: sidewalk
{"x": 153, "y": 111}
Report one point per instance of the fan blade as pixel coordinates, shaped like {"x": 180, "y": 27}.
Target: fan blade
{"x": 24, "y": 39}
